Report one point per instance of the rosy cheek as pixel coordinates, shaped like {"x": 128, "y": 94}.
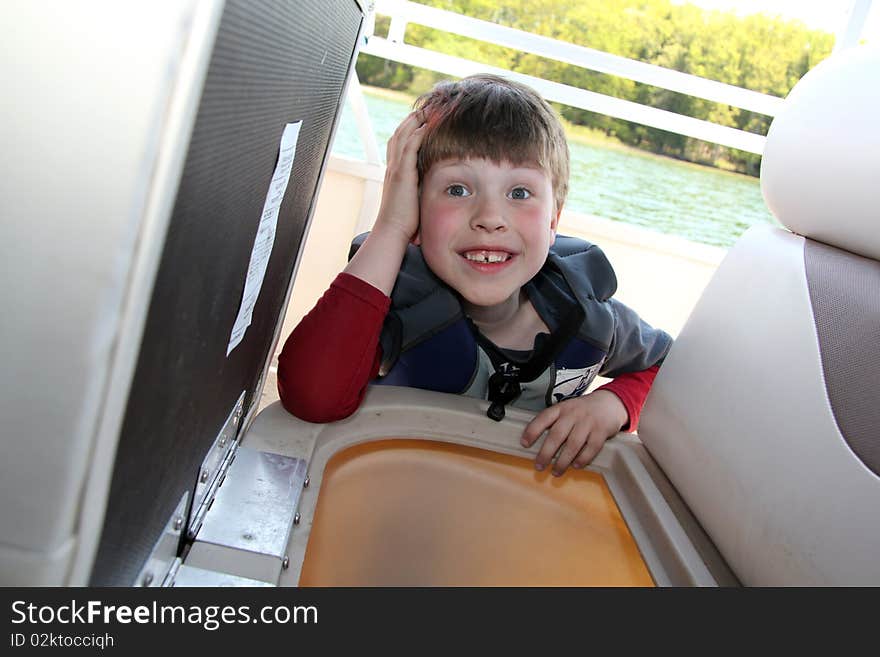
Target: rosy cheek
{"x": 536, "y": 219}
{"x": 437, "y": 220}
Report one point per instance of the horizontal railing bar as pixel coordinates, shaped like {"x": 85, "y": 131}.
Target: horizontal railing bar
{"x": 580, "y": 56}
{"x": 568, "y": 95}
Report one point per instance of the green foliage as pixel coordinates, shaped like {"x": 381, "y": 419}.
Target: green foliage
{"x": 759, "y": 52}
{"x": 378, "y": 72}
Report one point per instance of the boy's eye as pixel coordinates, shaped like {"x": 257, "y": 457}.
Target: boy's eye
{"x": 520, "y": 193}
{"x": 457, "y": 190}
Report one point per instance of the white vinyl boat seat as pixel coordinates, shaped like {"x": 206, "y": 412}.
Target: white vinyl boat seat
{"x": 765, "y": 414}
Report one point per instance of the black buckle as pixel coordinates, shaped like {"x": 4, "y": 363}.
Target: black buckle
{"x": 504, "y": 384}
{"x": 503, "y": 388}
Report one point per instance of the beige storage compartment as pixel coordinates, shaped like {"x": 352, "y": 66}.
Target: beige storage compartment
{"x": 424, "y": 513}
{"x": 422, "y": 489}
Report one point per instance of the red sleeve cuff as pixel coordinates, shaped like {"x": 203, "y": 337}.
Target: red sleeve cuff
{"x": 632, "y": 389}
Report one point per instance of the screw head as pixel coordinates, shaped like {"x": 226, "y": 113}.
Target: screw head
{"x": 286, "y": 563}
{"x": 204, "y": 476}
{"x": 306, "y": 483}
{"x": 178, "y": 523}
{"x": 148, "y": 579}
{"x": 296, "y": 518}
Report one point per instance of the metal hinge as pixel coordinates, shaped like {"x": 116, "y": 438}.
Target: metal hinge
{"x": 214, "y": 467}
{"x": 163, "y": 562}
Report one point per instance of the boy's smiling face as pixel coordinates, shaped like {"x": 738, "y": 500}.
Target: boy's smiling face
{"x": 486, "y": 227}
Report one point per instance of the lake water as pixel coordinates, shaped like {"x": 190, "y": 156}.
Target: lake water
{"x": 698, "y": 203}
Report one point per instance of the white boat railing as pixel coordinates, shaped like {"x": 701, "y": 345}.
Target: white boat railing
{"x": 403, "y": 13}
{"x": 852, "y": 29}
{"x": 568, "y": 95}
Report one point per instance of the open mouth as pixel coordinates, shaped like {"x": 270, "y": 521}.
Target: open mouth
{"x": 487, "y": 256}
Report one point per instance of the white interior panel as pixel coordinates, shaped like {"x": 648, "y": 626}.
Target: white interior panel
{"x": 87, "y": 88}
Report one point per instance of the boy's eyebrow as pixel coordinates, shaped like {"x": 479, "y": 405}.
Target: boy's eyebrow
{"x": 529, "y": 167}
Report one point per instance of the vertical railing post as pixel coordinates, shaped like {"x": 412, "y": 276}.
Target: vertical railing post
{"x": 397, "y": 29}
{"x": 362, "y": 119}
{"x": 849, "y": 35}
{"x": 372, "y": 193}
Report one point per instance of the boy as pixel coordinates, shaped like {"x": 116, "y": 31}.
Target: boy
{"x": 463, "y": 287}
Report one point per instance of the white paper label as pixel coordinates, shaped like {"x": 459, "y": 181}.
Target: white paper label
{"x": 265, "y": 239}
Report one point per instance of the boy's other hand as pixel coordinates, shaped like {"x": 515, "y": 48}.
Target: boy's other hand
{"x": 399, "y": 209}
{"x": 579, "y": 426}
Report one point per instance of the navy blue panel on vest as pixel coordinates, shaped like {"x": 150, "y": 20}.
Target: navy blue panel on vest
{"x": 578, "y": 354}
{"x": 444, "y": 363}
{"x": 576, "y": 367}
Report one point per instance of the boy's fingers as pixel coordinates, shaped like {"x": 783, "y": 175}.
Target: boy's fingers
{"x": 538, "y": 425}
{"x": 576, "y": 440}
{"x": 418, "y": 116}
{"x": 413, "y": 117}
{"x": 589, "y": 451}
{"x": 555, "y": 437}
{"x": 402, "y": 133}
{"x": 413, "y": 141}
{"x": 411, "y": 122}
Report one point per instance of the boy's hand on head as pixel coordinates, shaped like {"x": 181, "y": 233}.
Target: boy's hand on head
{"x": 399, "y": 209}
{"x": 378, "y": 260}
{"x": 579, "y": 426}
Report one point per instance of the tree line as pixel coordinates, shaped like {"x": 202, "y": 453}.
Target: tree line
{"x": 758, "y": 52}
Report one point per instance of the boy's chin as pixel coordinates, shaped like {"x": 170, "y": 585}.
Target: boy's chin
{"x": 485, "y": 299}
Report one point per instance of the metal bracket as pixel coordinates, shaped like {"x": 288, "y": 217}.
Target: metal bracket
{"x": 191, "y": 576}
{"x": 247, "y": 530}
{"x": 214, "y": 467}
{"x": 163, "y": 562}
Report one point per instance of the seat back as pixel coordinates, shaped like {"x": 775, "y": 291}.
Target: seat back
{"x": 765, "y": 414}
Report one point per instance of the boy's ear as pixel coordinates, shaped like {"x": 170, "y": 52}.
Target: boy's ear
{"x": 554, "y": 223}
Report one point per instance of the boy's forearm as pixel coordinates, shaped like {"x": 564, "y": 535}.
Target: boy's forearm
{"x": 332, "y": 354}
{"x": 377, "y": 261}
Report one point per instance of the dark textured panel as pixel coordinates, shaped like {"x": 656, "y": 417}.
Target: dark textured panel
{"x": 845, "y": 295}
{"x": 273, "y": 63}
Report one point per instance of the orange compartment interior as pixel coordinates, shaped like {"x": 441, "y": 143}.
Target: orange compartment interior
{"x": 408, "y": 512}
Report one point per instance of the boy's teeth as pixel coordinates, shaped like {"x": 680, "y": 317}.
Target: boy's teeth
{"x": 486, "y": 256}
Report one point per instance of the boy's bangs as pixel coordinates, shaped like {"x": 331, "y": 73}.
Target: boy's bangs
{"x": 492, "y": 145}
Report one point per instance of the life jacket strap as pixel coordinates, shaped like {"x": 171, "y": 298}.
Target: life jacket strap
{"x": 504, "y": 384}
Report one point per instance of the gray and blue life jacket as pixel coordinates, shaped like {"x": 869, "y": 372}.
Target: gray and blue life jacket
{"x": 428, "y": 342}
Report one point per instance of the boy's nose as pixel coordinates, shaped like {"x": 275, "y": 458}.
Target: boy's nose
{"x": 489, "y": 216}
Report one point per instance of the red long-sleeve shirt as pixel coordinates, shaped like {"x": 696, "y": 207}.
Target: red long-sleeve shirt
{"x": 325, "y": 366}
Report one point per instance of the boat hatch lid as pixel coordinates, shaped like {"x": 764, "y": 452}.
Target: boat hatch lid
{"x": 269, "y": 105}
